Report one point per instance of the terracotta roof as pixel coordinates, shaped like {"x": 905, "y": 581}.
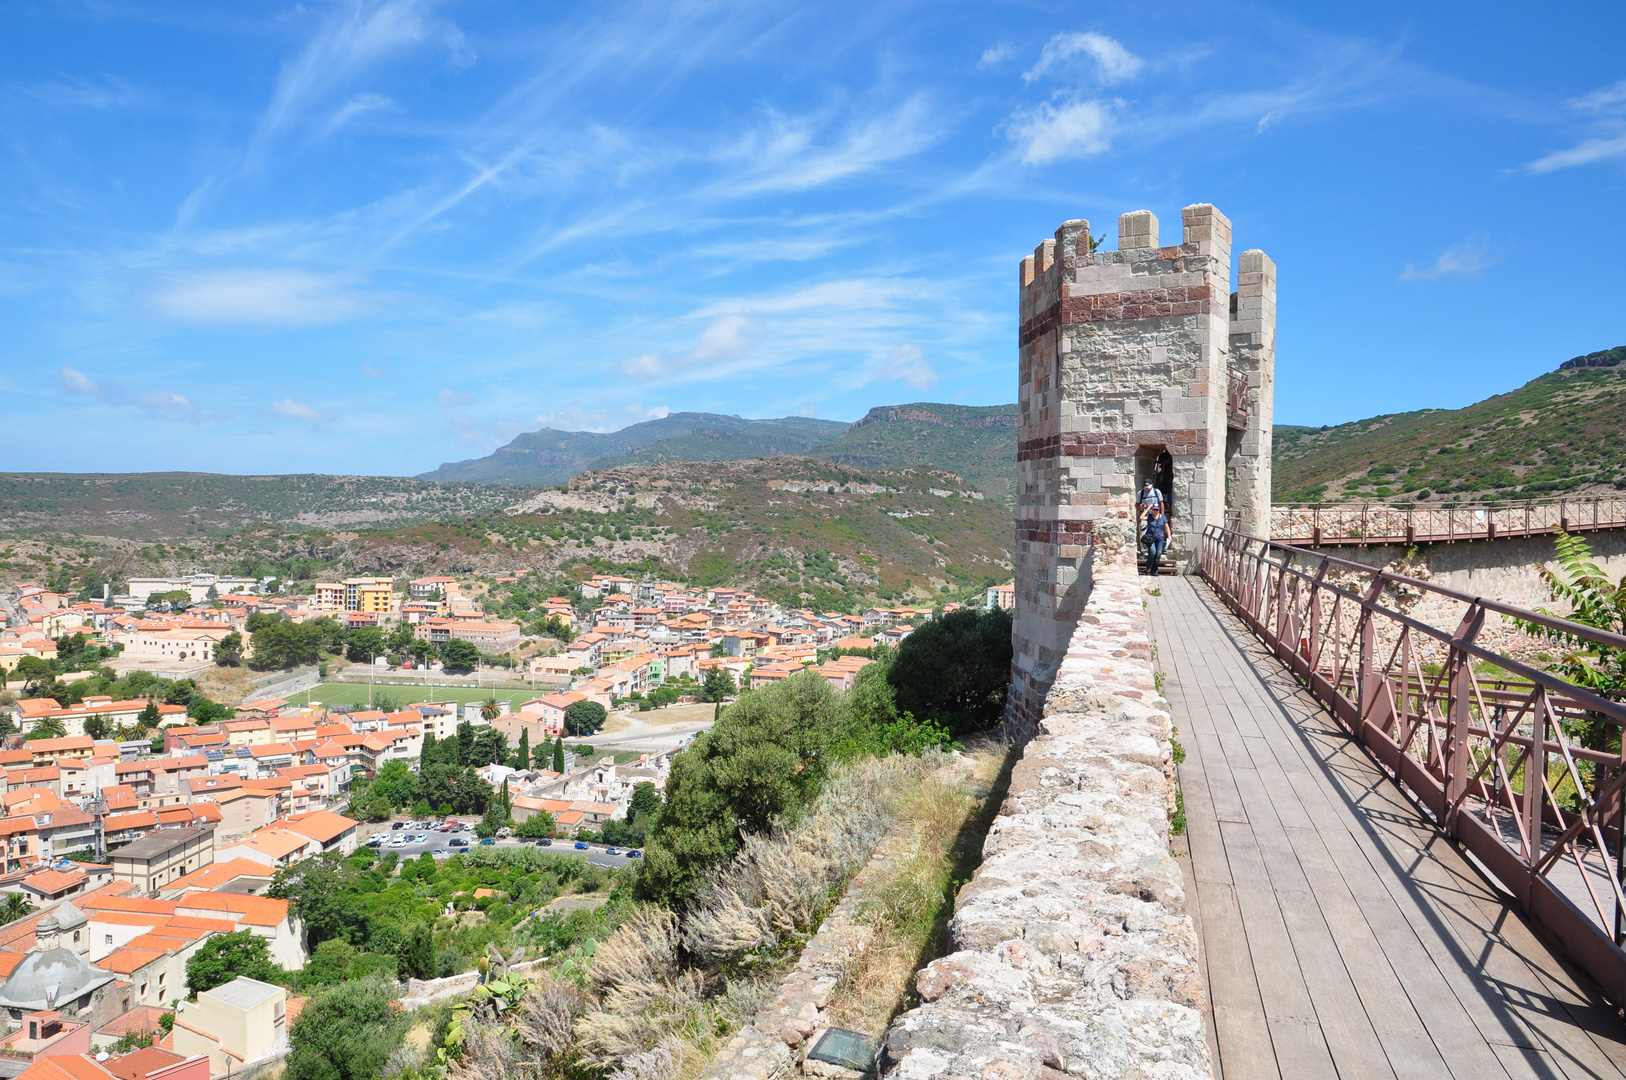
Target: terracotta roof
{"x": 138, "y": 1064}
{"x": 275, "y": 842}
{"x": 255, "y": 910}
{"x": 136, "y": 904}
{"x": 128, "y": 961}
{"x": 9, "y": 960}
{"x": 65, "y": 1067}
{"x": 217, "y": 874}
{"x": 53, "y": 881}
{"x": 322, "y": 825}
{"x": 142, "y": 1019}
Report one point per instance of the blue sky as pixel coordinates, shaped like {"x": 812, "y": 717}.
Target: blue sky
{"x": 370, "y": 237}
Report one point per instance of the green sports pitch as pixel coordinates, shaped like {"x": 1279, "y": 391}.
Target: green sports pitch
{"x": 406, "y": 694}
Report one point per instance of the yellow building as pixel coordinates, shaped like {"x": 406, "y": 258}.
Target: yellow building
{"x": 241, "y": 1022}
{"x": 369, "y": 594}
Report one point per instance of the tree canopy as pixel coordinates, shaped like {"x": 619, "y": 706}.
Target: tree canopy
{"x": 584, "y": 717}
{"x": 347, "y": 1033}
{"x": 956, "y": 669}
{"x": 224, "y": 957}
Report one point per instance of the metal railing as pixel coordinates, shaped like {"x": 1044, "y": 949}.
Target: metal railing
{"x": 1520, "y": 766}
{"x": 1344, "y": 524}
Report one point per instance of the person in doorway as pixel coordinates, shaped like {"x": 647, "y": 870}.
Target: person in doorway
{"x": 1149, "y": 497}
{"x": 1156, "y": 534}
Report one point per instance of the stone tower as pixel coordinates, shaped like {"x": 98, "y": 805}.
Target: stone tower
{"x": 1136, "y": 363}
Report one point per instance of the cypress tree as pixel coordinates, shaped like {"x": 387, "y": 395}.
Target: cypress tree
{"x": 524, "y": 748}
{"x": 559, "y": 754}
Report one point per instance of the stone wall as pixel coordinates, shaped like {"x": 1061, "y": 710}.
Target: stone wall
{"x": 1073, "y": 953}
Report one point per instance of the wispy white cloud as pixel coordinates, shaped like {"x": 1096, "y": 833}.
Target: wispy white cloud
{"x": 907, "y": 364}
{"x": 372, "y": 372}
{"x": 997, "y": 54}
{"x": 449, "y": 398}
{"x": 316, "y": 419}
{"x": 76, "y": 382}
{"x": 1465, "y": 260}
{"x": 725, "y": 338}
{"x": 109, "y": 93}
{"x": 356, "y": 37}
{"x": 788, "y": 154}
{"x": 356, "y": 106}
{"x": 162, "y": 404}
{"x": 466, "y": 431}
{"x": 1109, "y": 62}
{"x": 1064, "y": 131}
{"x": 577, "y": 418}
{"x": 1605, "y": 109}
{"x": 255, "y": 297}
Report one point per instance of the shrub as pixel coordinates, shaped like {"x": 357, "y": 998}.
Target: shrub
{"x": 347, "y": 1033}
{"x": 762, "y": 761}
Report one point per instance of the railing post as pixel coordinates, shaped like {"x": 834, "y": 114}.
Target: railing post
{"x": 1368, "y": 638}
{"x": 1535, "y": 771}
{"x": 1458, "y": 764}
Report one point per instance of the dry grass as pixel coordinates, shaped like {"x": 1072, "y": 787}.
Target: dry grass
{"x": 932, "y": 850}
{"x": 643, "y": 1013}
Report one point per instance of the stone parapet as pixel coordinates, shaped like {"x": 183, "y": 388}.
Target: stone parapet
{"x": 1073, "y": 953}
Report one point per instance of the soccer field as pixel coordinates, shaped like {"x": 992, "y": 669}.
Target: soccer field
{"x": 407, "y": 694}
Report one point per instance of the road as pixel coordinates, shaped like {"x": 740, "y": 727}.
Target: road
{"x": 595, "y": 853}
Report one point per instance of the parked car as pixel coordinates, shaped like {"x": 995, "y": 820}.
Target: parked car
{"x": 581, "y": 845}
{"x": 487, "y": 842}
{"x": 634, "y": 853}
{"x": 458, "y": 841}
{"x": 544, "y": 842}
{"x": 439, "y": 851}
{"x": 423, "y": 838}
{"x": 397, "y": 824}
{"x": 612, "y": 851}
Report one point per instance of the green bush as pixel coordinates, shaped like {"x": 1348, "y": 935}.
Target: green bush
{"x": 764, "y": 759}
{"x": 347, "y": 1033}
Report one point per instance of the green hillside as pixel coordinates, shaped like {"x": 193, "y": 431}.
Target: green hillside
{"x": 795, "y": 528}
{"x": 552, "y": 457}
{"x": 162, "y": 505}
{"x": 1563, "y": 433}
{"x": 977, "y": 442}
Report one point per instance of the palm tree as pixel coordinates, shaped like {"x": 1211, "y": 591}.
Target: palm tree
{"x": 490, "y": 709}
{"x": 49, "y": 728}
{"x": 14, "y": 907}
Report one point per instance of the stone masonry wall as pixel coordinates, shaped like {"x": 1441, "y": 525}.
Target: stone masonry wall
{"x": 1073, "y": 953}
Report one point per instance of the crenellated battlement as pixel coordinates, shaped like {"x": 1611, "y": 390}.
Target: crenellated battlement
{"x": 1134, "y": 363}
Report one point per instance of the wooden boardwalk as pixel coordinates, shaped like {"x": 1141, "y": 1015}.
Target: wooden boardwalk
{"x": 1342, "y": 935}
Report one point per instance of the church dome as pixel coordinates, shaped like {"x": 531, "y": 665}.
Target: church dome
{"x": 51, "y": 976}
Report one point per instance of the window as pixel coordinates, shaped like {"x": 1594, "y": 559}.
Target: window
{"x": 107, "y": 939}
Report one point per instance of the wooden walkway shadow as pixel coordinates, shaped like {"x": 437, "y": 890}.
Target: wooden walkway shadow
{"x": 1342, "y": 935}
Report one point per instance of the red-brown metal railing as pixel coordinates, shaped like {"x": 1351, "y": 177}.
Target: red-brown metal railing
{"x": 1523, "y": 768}
{"x": 1344, "y": 524}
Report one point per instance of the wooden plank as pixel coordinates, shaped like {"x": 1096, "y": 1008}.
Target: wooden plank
{"x": 1245, "y": 1045}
